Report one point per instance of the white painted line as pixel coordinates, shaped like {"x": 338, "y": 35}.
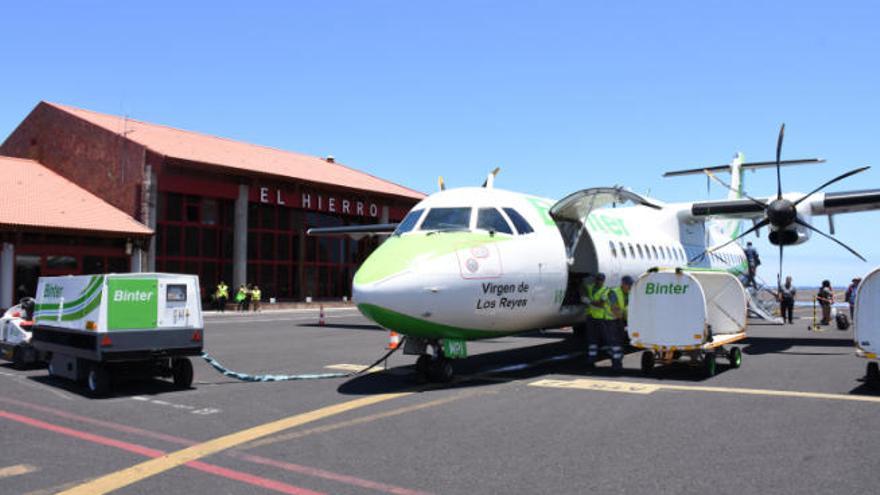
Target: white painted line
{"x": 192, "y": 409}
{"x": 18, "y": 470}
{"x": 647, "y": 388}
{"x": 352, "y": 367}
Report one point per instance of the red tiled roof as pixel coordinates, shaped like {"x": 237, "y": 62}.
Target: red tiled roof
{"x": 32, "y": 196}
{"x": 196, "y": 147}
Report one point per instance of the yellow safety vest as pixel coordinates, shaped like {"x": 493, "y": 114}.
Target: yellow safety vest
{"x": 256, "y": 294}
{"x": 222, "y": 291}
{"x": 598, "y": 295}
{"x": 621, "y": 304}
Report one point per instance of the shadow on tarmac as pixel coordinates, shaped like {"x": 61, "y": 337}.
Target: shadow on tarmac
{"x": 122, "y": 388}
{"x": 776, "y": 345}
{"x": 557, "y": 358}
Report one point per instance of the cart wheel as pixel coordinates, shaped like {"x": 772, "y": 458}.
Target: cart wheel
{"x": 872, "y": 373}
{"x": 709, "y": 364}
{"x": 735, "y": 356}
{"x": 98, "y": 381}
{"x": 648, "y": 362}
{"x": 182, "y": 372}
{"x": 18, "y": 358}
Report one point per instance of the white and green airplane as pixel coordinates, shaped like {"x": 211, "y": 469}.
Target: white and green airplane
{"x": 479, "y": 262}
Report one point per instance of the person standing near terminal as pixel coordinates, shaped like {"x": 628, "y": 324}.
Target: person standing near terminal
{"x": 240, "y": 297}
{"x": 850, "y": 296}
{"x": 825, "y": 296}
{"x": 787, "y": 293}
{"x": 221, "y": 295}
{"x": 256, "y": 297}
{"x": 753, "y": 260}
{"x": 596, "y": 298}
{"x": 615, "y": 328}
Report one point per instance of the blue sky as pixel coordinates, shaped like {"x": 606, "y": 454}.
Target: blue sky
{"x": 561, "y": 95}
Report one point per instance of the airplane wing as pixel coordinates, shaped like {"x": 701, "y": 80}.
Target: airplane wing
{"x": 355, "y": 230}
{"x": 818, "y": 204}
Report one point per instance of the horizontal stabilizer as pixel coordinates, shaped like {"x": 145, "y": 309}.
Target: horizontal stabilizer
{"x": 745, "y": 166}
{"x": 371, "y": 229}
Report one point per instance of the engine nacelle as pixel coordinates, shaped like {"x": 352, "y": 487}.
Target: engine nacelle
{"x": 791, "y": 234}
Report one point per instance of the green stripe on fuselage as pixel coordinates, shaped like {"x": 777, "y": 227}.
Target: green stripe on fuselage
{"x": 398, "y": 252}
{"x": 409, "y": 325}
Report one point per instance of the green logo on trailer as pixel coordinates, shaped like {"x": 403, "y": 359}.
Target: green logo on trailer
{"x": 132, "y": 303}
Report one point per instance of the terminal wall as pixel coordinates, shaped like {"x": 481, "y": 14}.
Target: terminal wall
{"x": 102, "y": 162}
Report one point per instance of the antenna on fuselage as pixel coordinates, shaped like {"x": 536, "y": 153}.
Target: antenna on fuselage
{"x": 441, "y": 185}
{"x": 490, "y": 179}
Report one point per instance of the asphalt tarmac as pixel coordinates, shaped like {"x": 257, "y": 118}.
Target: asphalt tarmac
{"x": 524, "y": 415}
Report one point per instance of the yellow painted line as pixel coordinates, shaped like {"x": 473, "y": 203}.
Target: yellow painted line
{"x": 600, "y": 385}
{"x": 18, "y": 470}
{"x": 293, "y": 435}
{"x": 357, "y": 368}
{"x": 648, "y": 388}
{"x": 128, "y": 476}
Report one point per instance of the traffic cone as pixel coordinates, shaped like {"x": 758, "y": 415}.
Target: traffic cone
{"x": 321, "y": 321}
{"x": 393, "y": 340}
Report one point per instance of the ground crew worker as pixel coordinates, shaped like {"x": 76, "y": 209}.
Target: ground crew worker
{"x": 596, "y": 298}
{"x": 850, "y": 296}
{"x": 240, "y": 297}
{"x": 615, "y": 328}
{"x": 221, "y": 295}
{"x": 256, "y": 295}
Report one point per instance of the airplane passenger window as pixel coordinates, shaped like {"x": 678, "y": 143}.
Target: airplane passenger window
{"x": 613, "y": 249}
{"x": 522, "y": 226}
{"x": 668, "y": 253}
{"x": 639, "y": 247}
{"x": 654, "y": 251}
{"x": 447, "y": 218}
{"x": 490, "y": 219}
{"x": 622, "y": 250}
{"x": 409, "y": 222}
{"x": 632, "y": 251}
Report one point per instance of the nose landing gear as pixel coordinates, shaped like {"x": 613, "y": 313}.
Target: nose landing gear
{"x": 434, "y": 367}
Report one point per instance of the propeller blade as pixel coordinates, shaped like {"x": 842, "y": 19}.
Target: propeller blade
{"x": 823, "y": 234}
{"x": 728, "y": 186}
{"x": 778, "y": 166}
{"x": 832, "y": 181}
{"x": 757, "y": 226}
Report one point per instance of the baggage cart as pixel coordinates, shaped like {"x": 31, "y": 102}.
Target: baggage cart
{"x": 99, "y": 328}
{"x": 692, "y": 314}
{"x": 866, "y": 325}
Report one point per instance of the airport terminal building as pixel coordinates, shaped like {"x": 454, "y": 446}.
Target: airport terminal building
{"x": 189, "y": 203}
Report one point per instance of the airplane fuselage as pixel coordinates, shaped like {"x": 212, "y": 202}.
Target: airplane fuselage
{"x": 479, "y": 272}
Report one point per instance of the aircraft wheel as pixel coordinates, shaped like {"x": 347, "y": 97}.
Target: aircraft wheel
{"x": 735, "y": 357}
{"x": 98, "y": 381}
{"x": 182, "y": 372}
{"x": 423, "y": 365}
{"x": 441, "y": 370}
{"x": 872, "y": 373}
{"x": 648, "y": 362}
{"x": 709, "y": 364}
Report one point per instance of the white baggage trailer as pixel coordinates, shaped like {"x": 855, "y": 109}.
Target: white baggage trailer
{"x": 866, "y": 325}
{"x": 97, "y": 328}
{"x": 687, "y": 313}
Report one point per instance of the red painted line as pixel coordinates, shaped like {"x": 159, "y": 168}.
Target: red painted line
{"x": 153, "y": 453}
{"x": 287, "y": 466}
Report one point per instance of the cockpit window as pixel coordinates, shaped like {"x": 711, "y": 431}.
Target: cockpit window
{"x": 522, "y": 226}
{"x": 447, "y": 218}
{"x": 490, "y": 219}
{"x": 409, "y": 222}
